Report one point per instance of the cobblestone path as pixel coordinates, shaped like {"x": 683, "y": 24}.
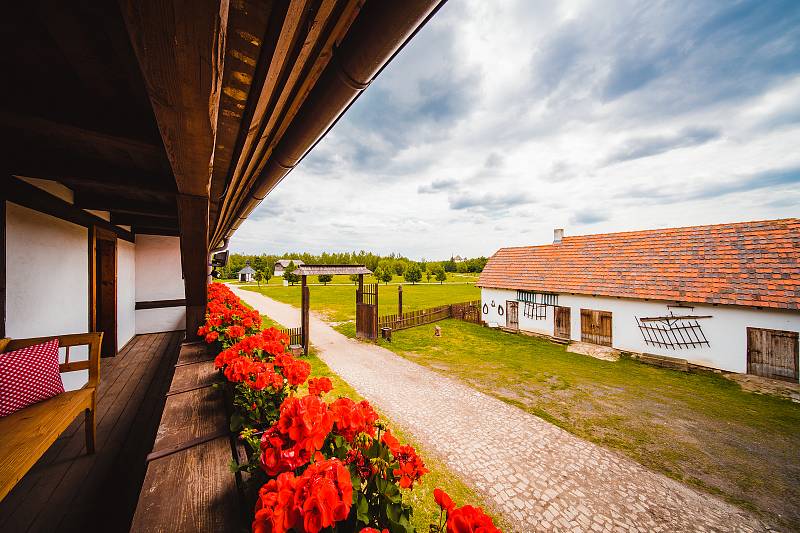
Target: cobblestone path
{"x": 538, "y": 476}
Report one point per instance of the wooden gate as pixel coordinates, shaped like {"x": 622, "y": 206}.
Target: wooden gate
{"x": 367, "y": 312}
{"x": 596, "y": 327}
{"x": 772, "y": 353}
{"x": 562, "y": 325}
{"x": 512, "y": 314}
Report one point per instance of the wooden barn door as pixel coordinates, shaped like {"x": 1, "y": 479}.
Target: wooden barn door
{"x": 562, "y": 324}
{"x": 772, "y": 353}
{"x": 106, "y": 292}
{"x": 367, "y": 312}
{"x": 512, "y": 314}
{"x": 596, "y": 327}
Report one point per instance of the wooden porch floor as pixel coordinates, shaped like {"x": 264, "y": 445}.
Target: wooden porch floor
{"x": 68, "y": 490}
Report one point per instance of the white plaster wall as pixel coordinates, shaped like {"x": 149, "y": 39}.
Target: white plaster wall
{"x": 126, "y": 292}
{"x": 726, "y": 330}
{"x": 47, "y": 280}
{"x": 159, "y": 277}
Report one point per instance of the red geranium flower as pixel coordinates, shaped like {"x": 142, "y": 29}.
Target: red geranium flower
{"x": 275, "y": 509}
{"x": 373, "y": 530}
{"x": 411, "y": 468}
{"x": 390, "y": 441}
{"x": 211, "y": 336}
{"x": 443, "y": 500}
{"x": 235, "y": 332}
{"x": 352, "y": 418}
{"x": 469, "y": 519}
{"x": 306, "y": 421}
{"x": 324, "y": 494}
{"x": 297, "y": 372}
{"x": 319, "y": 386}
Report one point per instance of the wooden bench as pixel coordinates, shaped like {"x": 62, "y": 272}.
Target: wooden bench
{"x": 28, "y": 433}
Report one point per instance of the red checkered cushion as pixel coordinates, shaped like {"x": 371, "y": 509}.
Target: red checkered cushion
{"x": 29, "y": 375}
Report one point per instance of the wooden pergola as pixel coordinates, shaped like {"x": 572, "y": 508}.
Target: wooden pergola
{"x": 315, "y": 270}
{"x": 179, "y": 117}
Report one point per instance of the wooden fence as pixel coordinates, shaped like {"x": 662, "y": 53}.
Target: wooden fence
{"x": 295, "y": 335}
{"x": 467, "y": 311}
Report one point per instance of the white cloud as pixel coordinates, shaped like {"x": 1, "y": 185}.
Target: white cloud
{"x": 525, "y": 116}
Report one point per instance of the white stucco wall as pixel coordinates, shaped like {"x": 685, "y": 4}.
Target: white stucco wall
{"x": 726, "y": 330}
{"x": 47, "y": 280}
{"x": 159, "y": 277}
{"x": 126, "y": 292}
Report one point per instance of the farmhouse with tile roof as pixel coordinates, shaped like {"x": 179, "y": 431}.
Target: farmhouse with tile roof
{"x": 725, "y": 296}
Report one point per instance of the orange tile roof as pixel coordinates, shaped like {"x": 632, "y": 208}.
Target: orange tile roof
{"x": 748, "y": 263}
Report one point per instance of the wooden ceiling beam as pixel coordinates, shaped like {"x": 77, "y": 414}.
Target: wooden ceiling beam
{"x": 124, "y": 205}
{"x": 180, "y": 47}
{"x": 135, "y": 220}
{"x": 76, "y": 137}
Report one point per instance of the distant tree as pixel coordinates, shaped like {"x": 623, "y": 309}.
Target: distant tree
{"x": 441, "y": 275}
{"x": 325, "y": 278}
{"x": 259, "y": 277}
{"x": 413, "y": 274}
{"x": 450, "y": 265}
{"x": 428, "y": 275}
{"x": 400, "y": 267}
{"x": 267, "y": 275}
{"x": 289, "y": 274}
{"x": 461, "y": 267}
{"x": 354, "y": 278}
{"x": 386, "y": 276}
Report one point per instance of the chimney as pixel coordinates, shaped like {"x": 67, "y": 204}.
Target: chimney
{"x": 558, "y": 234}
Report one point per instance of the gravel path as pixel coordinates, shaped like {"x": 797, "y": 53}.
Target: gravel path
{"x": 538, "y": 476}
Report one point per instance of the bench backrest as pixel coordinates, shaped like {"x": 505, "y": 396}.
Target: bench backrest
{"x": 93, "y": 340}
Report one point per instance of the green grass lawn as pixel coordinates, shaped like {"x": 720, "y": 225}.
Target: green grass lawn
{"x": 696, "y": 427}
{"x": 337, "y": 303}
{"x": 421, "y": 497}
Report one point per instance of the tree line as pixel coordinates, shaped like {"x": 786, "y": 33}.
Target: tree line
{"x": 384, "y": 267}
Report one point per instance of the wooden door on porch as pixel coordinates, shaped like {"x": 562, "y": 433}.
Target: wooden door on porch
{"x": 561, "y": 323}
{"x": 106, "y": 293}
{"x": 512, "y": 314}
{"x": 773, "y": 353}
{"x": 596, "y": 327}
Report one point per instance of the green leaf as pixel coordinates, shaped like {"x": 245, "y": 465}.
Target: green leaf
{"x": 362, "y": 509}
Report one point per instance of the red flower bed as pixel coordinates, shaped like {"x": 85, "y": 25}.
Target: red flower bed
{"x": 330, "y": 466}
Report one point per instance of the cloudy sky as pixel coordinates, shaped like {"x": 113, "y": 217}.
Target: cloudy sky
{"x": 503, "y": 120}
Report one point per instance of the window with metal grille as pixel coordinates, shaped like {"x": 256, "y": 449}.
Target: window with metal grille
{"x": 536, "y": 303}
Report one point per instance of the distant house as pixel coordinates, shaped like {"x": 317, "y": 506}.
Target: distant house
{"x": 247, "y": 273}
{"x": 724, "y": 296}
{"x": 281, "y": 264}
{"x": 459, "y": 259}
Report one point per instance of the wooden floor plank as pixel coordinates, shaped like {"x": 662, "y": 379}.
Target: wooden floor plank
{"x": 67, "y": 482}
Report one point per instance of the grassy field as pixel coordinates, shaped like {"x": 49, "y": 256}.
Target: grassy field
{"x": 696, "y": 427}
{"x": 337, "y": 302}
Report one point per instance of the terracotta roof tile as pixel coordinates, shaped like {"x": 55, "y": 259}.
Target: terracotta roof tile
{"x": 749, "y": 263}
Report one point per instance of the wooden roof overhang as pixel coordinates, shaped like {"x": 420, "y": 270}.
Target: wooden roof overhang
{"x": 178, "y": 117}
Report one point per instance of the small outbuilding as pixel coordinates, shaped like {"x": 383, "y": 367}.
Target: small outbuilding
{"x": 246, "y": 274}
{"x": 281, "y": 264}
{"x": 725, "y": 296}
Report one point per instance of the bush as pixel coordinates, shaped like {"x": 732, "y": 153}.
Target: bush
{"x": 325, "y": 278}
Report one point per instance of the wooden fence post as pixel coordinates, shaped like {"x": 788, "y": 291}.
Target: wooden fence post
{"x": 304, "y": 311}
{"x": 399, "y": 300}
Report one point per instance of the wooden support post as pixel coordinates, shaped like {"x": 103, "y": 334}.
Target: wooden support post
{"x": 2, "y": 266}
{"x": 193, "y": 219}
{"x": 361, "y": 283}
{"x": 304, "y": 312}
{"x": 399, "y": 301}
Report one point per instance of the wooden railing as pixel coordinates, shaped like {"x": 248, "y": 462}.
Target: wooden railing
{"x": 466, "y": 311}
